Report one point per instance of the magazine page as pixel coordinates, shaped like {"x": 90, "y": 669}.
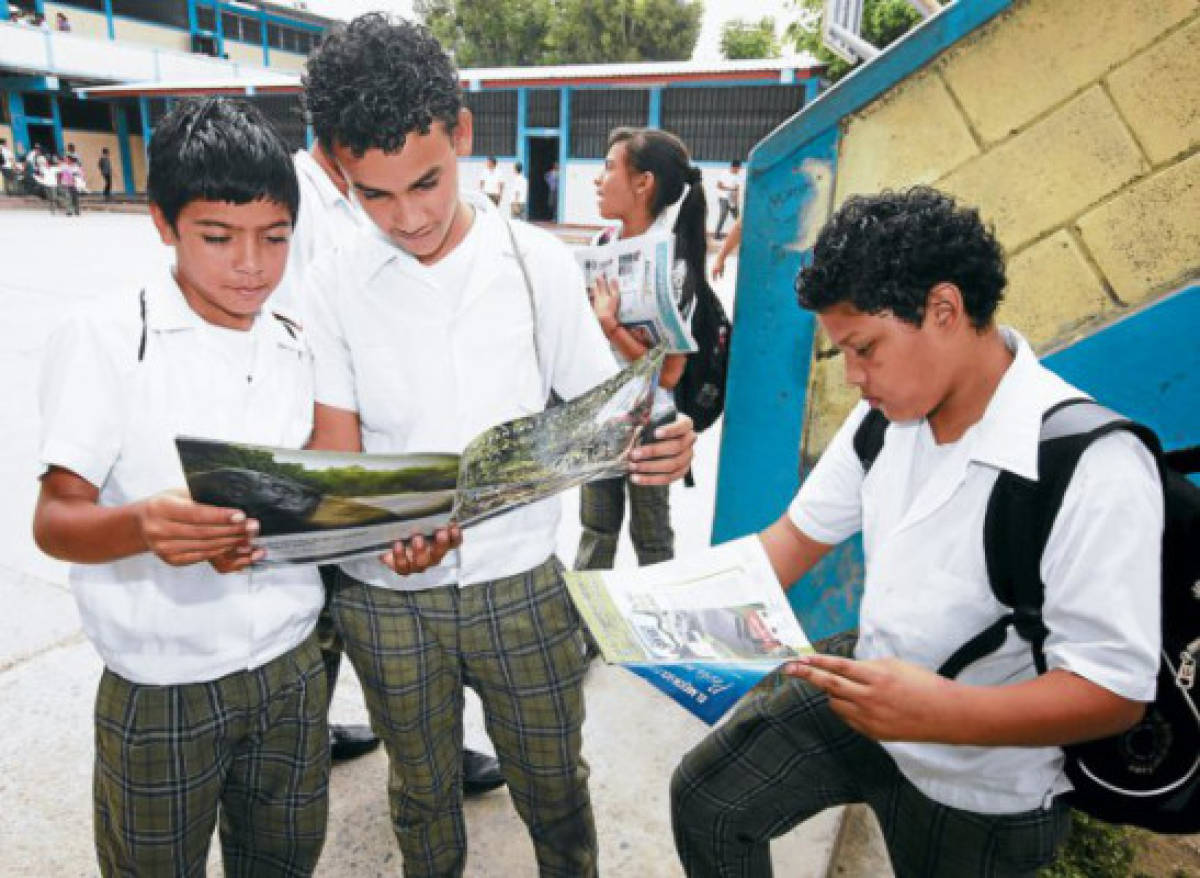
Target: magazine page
{"x": 318, "y": 507}
{"x": 641, "y": 267}
{"x": 703, "y": 629}
{"x": 532, "y": 458}
{"x": 322, "y": 506}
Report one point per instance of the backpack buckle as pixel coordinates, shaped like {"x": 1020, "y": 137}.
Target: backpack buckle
{"x": 1185, "y": 677}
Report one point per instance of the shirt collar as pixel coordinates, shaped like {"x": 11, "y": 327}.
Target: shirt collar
{"x": 331, "y": 196}
{"x": 1007, "y": 435}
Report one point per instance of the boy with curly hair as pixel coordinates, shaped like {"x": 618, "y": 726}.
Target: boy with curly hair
{"x": 449, "y": 321}
{"x": 965, "y": 774}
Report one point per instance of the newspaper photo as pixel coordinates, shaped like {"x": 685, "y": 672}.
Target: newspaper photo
{"x": 324, "y": 506}
{"x": 642, "y": 268}
{"x": 703, "y": 629}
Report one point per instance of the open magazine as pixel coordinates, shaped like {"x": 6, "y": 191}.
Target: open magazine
{"x": 324, "y": 506}
{"x": 703, "y": 629}
{"x": 642, "y": 267}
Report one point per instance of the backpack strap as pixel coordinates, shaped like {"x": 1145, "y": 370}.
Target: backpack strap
{"x": 1020, "y": 514}
{"x": 868, "y": 438}
{"x": 142, "y": 342}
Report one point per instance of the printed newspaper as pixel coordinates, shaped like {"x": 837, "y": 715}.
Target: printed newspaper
{"x": 703, "y": 629}
{"x": 322, "y": 506}
{"x": 642, "y": 268}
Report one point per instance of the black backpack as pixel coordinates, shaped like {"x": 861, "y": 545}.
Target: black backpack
{"x": 700, "y": 393}
{"x": 1149, "y": 776}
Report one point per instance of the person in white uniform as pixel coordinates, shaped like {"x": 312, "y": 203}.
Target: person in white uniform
{"x": 429, "y": 333}
{"x": 964, "y": 774}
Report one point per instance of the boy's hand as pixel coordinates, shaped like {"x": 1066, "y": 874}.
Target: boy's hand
{"x": 885, "y": 699}
{"x": 180, "y": 531}
{"x": 718, "y": 268}
{"x": 668, "y": 457}
{"x": 419, "y": 553}
{"x": 606, "y": 299}
{"x": 238, "y": 558}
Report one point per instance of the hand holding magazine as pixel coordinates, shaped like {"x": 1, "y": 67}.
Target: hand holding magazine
{"x": 324, "y": 506}
{"x": 703, "y": 629}
{"x": 641, "y": 268}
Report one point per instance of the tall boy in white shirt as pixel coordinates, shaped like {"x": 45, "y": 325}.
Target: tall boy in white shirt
{"x": 425, "y": 335}
{"x": 964, "y": 774}
{"x": 213, "y": 698}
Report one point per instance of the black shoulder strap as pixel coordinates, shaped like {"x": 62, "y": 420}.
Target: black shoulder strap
{"x": 1020, "y": 514}
{"x": 868, "y": 438}
{"x": 293, "y": 328}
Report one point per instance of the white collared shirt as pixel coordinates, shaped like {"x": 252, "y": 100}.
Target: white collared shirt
{"x": 921, "y": 510}
{"x": 328, "y": 220}
{"x": 112, "y": 420}
{"x": 427, "y": 369}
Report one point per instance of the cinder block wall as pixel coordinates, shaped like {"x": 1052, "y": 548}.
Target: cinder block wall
{"x": 1074, "y": 127}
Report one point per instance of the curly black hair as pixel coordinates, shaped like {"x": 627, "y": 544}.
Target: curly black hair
{"x": 375, "y": 81}
{"x": 886, "y": 252}
{"x": 218, "y": 149}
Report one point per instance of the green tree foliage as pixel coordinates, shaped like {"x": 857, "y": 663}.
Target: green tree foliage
{"x": 503, "y": 33}
{"x": 490, "y": 33}
{"x": 749, "y": 39}
{"x": 1093, "y": 850}
{"x": 883, "y": 22}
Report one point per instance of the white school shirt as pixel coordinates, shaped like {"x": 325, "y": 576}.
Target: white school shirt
{"x": 426, "y": 369}
{"x": 493, "y": 180}
{"x": 927, "y": 593}
{"x": 112, "y": 420}
{"x": 520, "y": 189}
{"x": 327, "y": 220}
{"x": 734, "y": 181}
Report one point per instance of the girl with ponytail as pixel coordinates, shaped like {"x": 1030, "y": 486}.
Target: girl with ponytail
{"x": 648, "y": 182}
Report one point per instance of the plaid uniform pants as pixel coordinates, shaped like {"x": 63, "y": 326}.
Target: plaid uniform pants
{"x": 516, "y": 642}
{"x": 252, "y": 746}
{"x": 784, "y": 756}
{"x": 601, "y": 511}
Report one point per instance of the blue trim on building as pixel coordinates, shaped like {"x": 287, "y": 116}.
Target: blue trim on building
{"x": 564, "y": 148}
{"x": 266, "y": 46}
{"x": 654, "y": 117}
{"x": 144, "y": 112}
{"x": 16, "y": 118}
{"x": 108, "y": 20}
{"x": 56, "y": 119}
{"x": 122, "y": 126}
{"x": 4, "y": 16}
{"x": 522, "y": 130}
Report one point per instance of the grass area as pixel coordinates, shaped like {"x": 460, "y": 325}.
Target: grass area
{"x": 1099, "y": 850}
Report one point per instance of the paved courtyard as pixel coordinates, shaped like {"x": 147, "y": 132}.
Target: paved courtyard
{"x": 48, "y": 672}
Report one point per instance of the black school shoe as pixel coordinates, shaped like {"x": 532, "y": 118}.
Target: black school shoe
{"x": 480, "y": 773}
{"x": 349, "y": 742}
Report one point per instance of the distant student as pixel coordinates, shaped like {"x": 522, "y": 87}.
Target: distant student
{"x": 520, "y": 192}
{"x": 70, "y": 182}
{"x": 105, "y": 167}
{"x": 211, "y": 708}
{"x": 730, "y": 187}
{"x": 492, "y": 183}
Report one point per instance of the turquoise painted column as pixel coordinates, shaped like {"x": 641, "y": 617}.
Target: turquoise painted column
{"x": 108, "y": 17}
{"x": 122, "y": 125}
{"x": 564, "y": 149}
{"x": 655, "y": 120}
{"x": 522, "y": 126}
{"x": 262, "y": 24}
{"x": 220, "y": 26}
{"x": 144, "y": 111}
{"x": 56, "y": 115}
{"x": 16, "y": 116}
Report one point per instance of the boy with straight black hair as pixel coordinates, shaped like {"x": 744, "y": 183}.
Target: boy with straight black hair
{"x": 449, "y": 321}
{"x": 212, "y": 701}
{"x": 964, "y": 774}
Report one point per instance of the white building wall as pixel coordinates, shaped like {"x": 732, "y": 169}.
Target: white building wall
{"x": 83, "y": 22}
{"x": 147, "y": 34}
{"x": 244, "y": 53}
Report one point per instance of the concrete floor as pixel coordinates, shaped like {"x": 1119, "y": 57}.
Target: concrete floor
{"x": 633, "y": 737}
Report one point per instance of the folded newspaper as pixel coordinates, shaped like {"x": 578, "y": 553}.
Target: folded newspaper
{"x": 642, "y": 268}
{"x": 323, "y": 506}
{"x": 703, "y": 629}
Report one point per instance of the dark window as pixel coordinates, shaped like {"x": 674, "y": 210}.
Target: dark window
{"x": 157, "y": 109}
{"x": 287, "y": 117}
{"x": 93, "y": 5}
{"x": 206, "y": 19}
{"x": 495, "y": 118}
{"x": 252, "y": 31}
{"x": 231, "y": 25}
{"x": 722, "y": 124}
{"x": 170, "y": 12}
{"x": 38, "y": 105}
{"x": 289, "y": 40}
{"x": 596, "y": 112}
{"x": 85, "y": 115}
{"x": 274, "y": 36}
{"x": 541, "y": 108}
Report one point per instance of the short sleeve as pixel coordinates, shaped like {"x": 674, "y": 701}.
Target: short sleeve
{"x": 828, "y": 506}
{"x": 82, "y": 401}
{"x": 1103, "y": 570}
{"x": 333, "y": 368}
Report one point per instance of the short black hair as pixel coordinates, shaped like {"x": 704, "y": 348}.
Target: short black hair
{"x": 736, "y": 163}
{"x": 884, "y": 253}
{"x": 375, "y": 81}
{"x": 218, "y": 150}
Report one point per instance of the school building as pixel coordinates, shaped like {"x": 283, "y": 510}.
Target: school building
{"x": 43, "y": 68}
{"x": 542, "y": 116}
